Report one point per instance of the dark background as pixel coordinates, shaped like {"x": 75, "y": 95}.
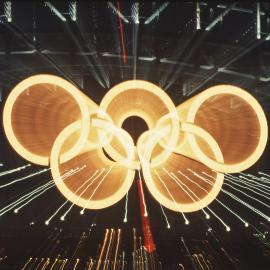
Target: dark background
{"x": 169, "y": 52}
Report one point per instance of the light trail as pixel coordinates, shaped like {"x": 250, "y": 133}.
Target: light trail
{"x": 233, "y": 196}
{"x": 165, "y": 216}
{"x": 23, "y": 178}
{"x": 124, "y": 57}
{"x": 30, "y": 194}
{"x": 76, "y": 264}
{"x": 102, "y": 249}
{"x": 143, "y": 198}
{"x": 93, "y": 176}
{"x": 14, "y": 170}
{"x": 263, "y": 173}
{"x": 55, "y": 261}
{"x": 25, "y": 265}
{"x": 117, "y": 247}
{"x": 64, "y": 263}
{"x": 248, "y": 188}
{"x": 225, "y": 206}
{"x": 47, "y": 262}
{"x": 63, "y": 204}
{"x": 123, "y": 260}
{"x": 126, "y": 203}
{"x": 108, "y": 248}
{"x": 42, "y": 259}
{"x": 162, "y": 182}
{"x": 251, "y": 183}
{"x": 97, "y": 187}
{"x": 242, "y": 192}
{"x": 22, "y": 199}
{"x": 33, "y": 198}
{"x": 173, "y": 176}
{"x": 176, "y": 179}
{"x": 126, "y": 209}
{"x": 255, "y": 180}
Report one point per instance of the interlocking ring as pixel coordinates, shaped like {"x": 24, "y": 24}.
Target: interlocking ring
{"x": 221, "y": 130}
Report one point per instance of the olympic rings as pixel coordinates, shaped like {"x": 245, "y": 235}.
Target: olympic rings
{"x": 221, "y": 130}
{"x": 65, "y": 185}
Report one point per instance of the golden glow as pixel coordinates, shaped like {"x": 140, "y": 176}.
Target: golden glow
{"x": 21, "y": 93}
{"x": 221, "y": 130}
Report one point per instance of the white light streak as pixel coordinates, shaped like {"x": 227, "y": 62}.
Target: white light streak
{"x": 126, "y": 209}
{"x": 87, "y": 187}
{"x": 162, "y": 182}
{"x": 166, "y": 218}
{"x": 60, "y": 207}
{"x": 143, "y": 199}
{"x": 225, "y": 206}
{"x": 97, "y": 187}
{"x": 55, "y": 11}
{"x": 156, "y": 13}
{"x": 111, "y": 5}
{"x": 15, "y": 170}
{"x": 233, "y": 196}
{"x": 23, "y": 178}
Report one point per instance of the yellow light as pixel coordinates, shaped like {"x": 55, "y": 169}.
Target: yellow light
{"x": 48, "y": 121}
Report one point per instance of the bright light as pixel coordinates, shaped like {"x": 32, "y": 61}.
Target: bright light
{"x": 73, "y": 10}
{"x": 55, "y": 11}
{"x": 7, "y": 10}
{"x": 228, "y": 228}
{"x": 111, "y": 5}
{"x": 156, "y": 13}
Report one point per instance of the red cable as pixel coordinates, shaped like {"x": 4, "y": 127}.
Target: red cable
{"x": 121, "y": 33}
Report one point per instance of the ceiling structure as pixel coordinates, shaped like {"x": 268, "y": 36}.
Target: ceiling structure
{"x": 184, "y": 47}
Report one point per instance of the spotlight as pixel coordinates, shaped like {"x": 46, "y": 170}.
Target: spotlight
{"x": 246, "y": 224}
{"x": 47, "y": 222}
{"x": 16, "y": 211}
{"x": 82, "y": 212}
{"x": 125, "y": 220}
{"x": 168, "y": 226}
{"x": 187, "y": 222}
{"x": 62, "y": 218}
{"x": 228, "y": 228}
{"x": 207, "y": 216}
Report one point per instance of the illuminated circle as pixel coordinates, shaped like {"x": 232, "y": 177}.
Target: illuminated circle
{"x": 252, "y": 102}
{"x": 148, "y": 141}
{"x": 145, "y": 100}
{"x": 70, "y": 194}
{"x": 71, "y": 90}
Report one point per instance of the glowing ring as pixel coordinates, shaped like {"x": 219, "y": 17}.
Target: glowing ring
{"x": 67, "y": 193}
{"x": 215, "y": 165}
{"x": 7, "y": 115}
{"x": 156, "y": 91}
{"x": 179, "y": 207}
